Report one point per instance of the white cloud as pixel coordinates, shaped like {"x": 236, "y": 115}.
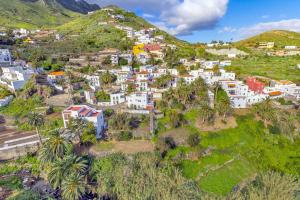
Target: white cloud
{"x": 227, "y": 29}
{"x": 265, "y": 16}
{"x": 178, "y": 17}
{"x": 146, "y": 15}
{"x": 289, "y": 24}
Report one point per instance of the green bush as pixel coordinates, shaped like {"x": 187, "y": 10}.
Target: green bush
{"x": 26, "y": 195}
{"x": 193, "y": 140}
{"x": 12, "y": 183}
{"x": 124, "y": 136}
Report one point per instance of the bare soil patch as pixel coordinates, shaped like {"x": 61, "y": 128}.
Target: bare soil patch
{"x": 179, "y": 135}
{"x": 127, "y": 147}
{"x": 219, "y": 124}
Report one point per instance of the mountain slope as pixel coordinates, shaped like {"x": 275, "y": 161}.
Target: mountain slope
{"x": 40, "y": 13}
{"x": 280, "y": 37}
{"x": 80, "y": 6}
{"x": 99, "y": 29}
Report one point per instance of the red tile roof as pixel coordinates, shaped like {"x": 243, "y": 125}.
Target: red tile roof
{"x": 152, "y": 47}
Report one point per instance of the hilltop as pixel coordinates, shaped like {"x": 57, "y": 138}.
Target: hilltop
{"x": 33, "y": 14}
{"x": 280, "y": 37}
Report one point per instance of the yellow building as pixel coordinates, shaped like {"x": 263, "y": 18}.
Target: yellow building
{"x": 137, "y": 49}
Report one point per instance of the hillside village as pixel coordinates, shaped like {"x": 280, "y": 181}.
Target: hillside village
{"x": 145, "y": 97}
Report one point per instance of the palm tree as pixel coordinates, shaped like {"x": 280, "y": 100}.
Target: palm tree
{"x": 62, "y": 168}
{"x": 76, "y": 126}
{"x": 206, "y": 113}
{"x": 37, "y": 120}
{"x": 54, "y": 148}
{"x": 265, "y": 110}
{"x": 73, "y": 187}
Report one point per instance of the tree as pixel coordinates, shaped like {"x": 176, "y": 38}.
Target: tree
{"x": 142, "y": 177}
{"x": 223, "y": 105}
{"x": 265, "y": 110}
{"x": 106, "y": 61}
{"x": 193, "y": 140}
{"x": 37, "y": 120}
{"x": 56, "y": 147}
{"x": 206, "y": 113}
{"x": 181, "y": 69}
{"x": 123, "y": 62}
{"x": 73, "y": 187}
{"x": 121, "y": 122}
{"x": 270, "y": 186}
{"x": 164, "y": 144}
{"x": 77, "y": 125}
{"x": 102, "y": 96}
{"x": 89, "y": 134}
{"x": 175, "y": 118}
{"x": 108, "y": 78}
{"x": 63, "y": 168}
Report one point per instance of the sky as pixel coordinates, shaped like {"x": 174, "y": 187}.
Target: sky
{"x": 207, "y": 20}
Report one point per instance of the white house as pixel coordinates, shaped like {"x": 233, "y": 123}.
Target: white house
{"x": 86, "y": 113}
{"x": 138, "y": 100}
{"x": 15, "y": 77}
{"x": 143, "y": 57}
{"x": 5, "y": 57}
{"x": 93, "y": 81}
{"x": 142, "y": 85}
{"x": 225, "y": 63}
{"x": 123, "y": 76}
{"x": 231, "y": 55}
{"x": 210, "y": 64}
{"x": 143, "y": 76}
{"x": 290, "y": 47}
{"x": 117, "y": 98}
{"x": 6, "y": 100}
{"x": 188, "y": 78}
{"x": 147, "y": 68}
{"x": 90, "y": 97}
{"x": 114, "y": 59}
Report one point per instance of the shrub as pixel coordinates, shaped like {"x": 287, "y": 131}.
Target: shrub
{"x": 193, "y": 140}
{"x": 164, "y": 144}
{"x": 124, "y": 136}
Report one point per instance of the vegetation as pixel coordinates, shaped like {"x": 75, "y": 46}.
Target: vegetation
{"x": 4, "y": 92}
{"x": 31, "y": 14}
{"x": 280, "y": 37}
{"x": 279, "y": 68}
{"x": 270, "y": 185}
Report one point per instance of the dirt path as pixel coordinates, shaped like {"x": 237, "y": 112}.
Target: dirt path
{"x": 127, "y": 147}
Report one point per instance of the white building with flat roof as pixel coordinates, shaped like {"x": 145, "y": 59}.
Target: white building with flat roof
{"x": 117, "y": 98}
{"x": 15, "y": 77}
{"x": 86, "y": 113}
{"x": 138, "y": 100}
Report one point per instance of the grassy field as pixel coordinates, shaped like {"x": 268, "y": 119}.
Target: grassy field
{"x": 237, "y": 154}
{"x": 279, "y": 68}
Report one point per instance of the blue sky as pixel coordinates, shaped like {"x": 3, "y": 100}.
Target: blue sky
{"x": 206, "y": 20}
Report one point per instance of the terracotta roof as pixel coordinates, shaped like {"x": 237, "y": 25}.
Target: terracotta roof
{"x": 143, "y": 72}
{"x": 85, "y": 111}
{"x": 59, "y": 73}
{"x": 152, "y": 47}
{"x": 74, "y": 108}
{"x": 275, "y": 93}
{"x": 95, "y": 114}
